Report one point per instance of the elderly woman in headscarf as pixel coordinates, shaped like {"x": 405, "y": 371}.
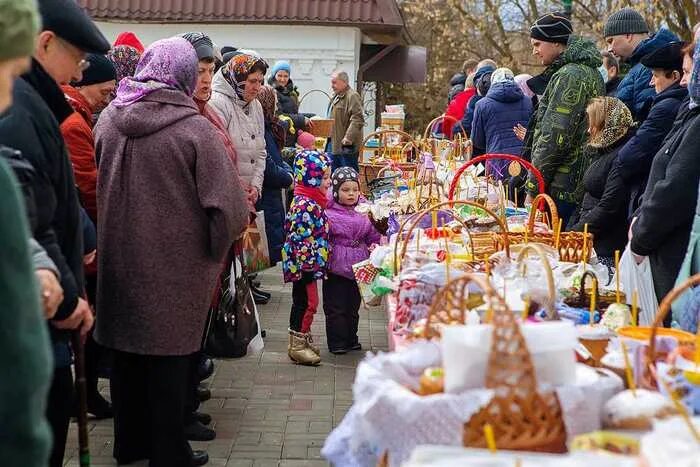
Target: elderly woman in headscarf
{"x": 234, "y": 92}
{"x": 170, "y": 210}
{"x": 661, "y": 228}
{"x": 278, "y": 175}
{"x": 125, "y": 58}
{"x": 606, "y": 195}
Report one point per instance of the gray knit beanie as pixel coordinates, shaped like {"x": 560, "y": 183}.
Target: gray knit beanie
{"x": 625, "y": 21}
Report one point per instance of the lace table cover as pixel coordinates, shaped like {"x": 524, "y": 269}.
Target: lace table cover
{"x": 387, "y": 416}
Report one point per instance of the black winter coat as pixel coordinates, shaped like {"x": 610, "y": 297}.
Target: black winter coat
{"x": 605, "y": 201}
{"x": 636, "y": 156}
{"x": 666, "y": 215}
{"x": 32, "y": 127}
{"x": 288, "y": 102}
{"x": 278, "y": 176}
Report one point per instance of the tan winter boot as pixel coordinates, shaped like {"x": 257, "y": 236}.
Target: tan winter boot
{"x": 299, "y": 351}
{"x": 310, "y": 344}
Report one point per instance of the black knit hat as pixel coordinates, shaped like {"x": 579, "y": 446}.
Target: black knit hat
{"x": 668, "y": 57}
{"x": 101, "y": 70}
{"x": 68, "y": 21}
{"x": 625, "y": 21}
{"x": 552, "y": 27}
{"x": 342, "y": 175}
{"x": 202, "y": 44}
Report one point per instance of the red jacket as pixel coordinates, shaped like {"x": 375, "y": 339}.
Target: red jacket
{"x": 77, "y": 133}
{"x": 456, "y": 109}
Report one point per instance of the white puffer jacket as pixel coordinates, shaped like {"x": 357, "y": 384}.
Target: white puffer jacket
{"x": 246, "y": 128}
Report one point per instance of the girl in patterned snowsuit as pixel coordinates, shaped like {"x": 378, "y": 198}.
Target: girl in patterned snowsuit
{"x": 305, "y": 250}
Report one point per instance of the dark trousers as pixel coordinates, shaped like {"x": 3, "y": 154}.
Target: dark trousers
{"x": 304, "y": 303}
{"x": 192, "y": 401}
{"x": 341, "y": 303}
{"x": 58, "y": 412}
{"x": 148, "y": 396}
{"x": 345, "y": 160}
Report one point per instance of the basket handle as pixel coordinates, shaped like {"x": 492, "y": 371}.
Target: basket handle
{"x": 461, "y": 284}
{"x": 312, "y": 91}
{"x": 594, "y": 290}
{"x": 384, "y": 132}
{"x": 487, "y": 157}
{"x": 664, "y": 308}
{"x": 442, "y": 118}
{"x": 421, "y": 214}
{"x": 537, "y": 249}
{"x": 537, "y": 204}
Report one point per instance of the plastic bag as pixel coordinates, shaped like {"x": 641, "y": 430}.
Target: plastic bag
{"x": 638, "y": 277}
{"x": 256, "y": 252}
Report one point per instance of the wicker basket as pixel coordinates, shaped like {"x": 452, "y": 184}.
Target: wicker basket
{"x": 603, "y": 300}
{"x": 649, "y": 378}
{"x": 370, "y": 172}
{"x": 551, "y": 288}
{"x": 322, "y": 127}
{"x": 481, "y": 246}
{"x": 452, "y": 302}
{"x": 522, "y": 418}
{"x": 572, "y": 247}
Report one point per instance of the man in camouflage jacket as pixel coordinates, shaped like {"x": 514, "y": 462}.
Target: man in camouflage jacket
{"x": 560, "y": 131}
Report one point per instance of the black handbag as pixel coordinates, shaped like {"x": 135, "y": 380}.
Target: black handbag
{"x": 232, "y": 322}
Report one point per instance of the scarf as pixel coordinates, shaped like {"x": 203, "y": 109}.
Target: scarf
{"x": 694, "y": 83}
{"x": 125, "y": 58}
{"x": 312, "y": 193}
{"x": 268, "y": 100}
{"x": 237, "y": 69}
{"x": 166, "y": 64}
{"x": 618, "y": 121}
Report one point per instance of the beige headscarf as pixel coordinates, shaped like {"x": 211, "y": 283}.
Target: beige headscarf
{"x": 618, "y": 121}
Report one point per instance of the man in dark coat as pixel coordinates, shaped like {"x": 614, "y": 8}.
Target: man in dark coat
{"x": 635, "y": 157}
{"x": 32, "y": 127}
{"x": 612, "y": 74}
{"x": 662, "y": 226}
{"x": 480, "y": 76}
{"x": 627, "y": 35}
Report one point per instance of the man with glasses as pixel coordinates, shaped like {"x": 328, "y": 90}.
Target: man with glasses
{"x": 32, "y": 127}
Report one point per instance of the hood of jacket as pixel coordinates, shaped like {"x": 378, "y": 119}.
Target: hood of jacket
{"x": 662, "y": 37}
{"x": 458, "y": 78}
{"x": 505, "y": 91}
{"x": 675, "y": 91}
{"x": 219, "y": 84}
{"x": 578, "y": 51}
{"x": 153, "y": 113}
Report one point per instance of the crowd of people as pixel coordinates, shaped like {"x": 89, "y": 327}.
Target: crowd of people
{"x": 129, "y": 174}
{"x": 615, "y": 149}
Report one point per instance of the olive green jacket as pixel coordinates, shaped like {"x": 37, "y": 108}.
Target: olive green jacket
{"x": 349, "y": 119}
{"x": 561, "y": 129}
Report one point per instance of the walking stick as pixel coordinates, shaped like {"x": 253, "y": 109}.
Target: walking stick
{"x": 81, "y": 389}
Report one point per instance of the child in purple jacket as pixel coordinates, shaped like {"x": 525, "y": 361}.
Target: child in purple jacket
{"x": 351, "y": 235}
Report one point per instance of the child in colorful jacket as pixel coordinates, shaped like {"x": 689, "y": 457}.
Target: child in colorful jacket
{"x": 351, "y": 235}
{"x": 305, "y": 250}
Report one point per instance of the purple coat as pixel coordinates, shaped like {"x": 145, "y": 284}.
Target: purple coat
{"x": 351, "y": 235}
{"x": 170, "y": 207}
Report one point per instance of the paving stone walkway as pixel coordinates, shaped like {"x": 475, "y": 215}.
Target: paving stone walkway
{"x": 267, "y": 411}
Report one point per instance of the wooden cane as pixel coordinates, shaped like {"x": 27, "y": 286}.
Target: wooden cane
{"x": 81, "y": 390}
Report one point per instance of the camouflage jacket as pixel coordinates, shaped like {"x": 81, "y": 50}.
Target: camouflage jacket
{"x": 560, "y": 132}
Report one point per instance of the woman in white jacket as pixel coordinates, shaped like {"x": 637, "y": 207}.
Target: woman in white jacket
{"x": 234, "y": 91}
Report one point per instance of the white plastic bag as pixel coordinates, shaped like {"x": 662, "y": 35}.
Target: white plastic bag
{"x": 638, "y": 277}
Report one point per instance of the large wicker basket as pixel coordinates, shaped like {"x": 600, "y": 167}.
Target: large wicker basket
{"x": 322, "y": 127}
{"x": 522, "y": 418}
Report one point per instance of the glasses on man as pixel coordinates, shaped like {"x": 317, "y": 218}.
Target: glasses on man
{"x": 78, "y": 55}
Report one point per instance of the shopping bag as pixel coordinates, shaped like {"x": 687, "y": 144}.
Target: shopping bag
{"x": 256, "y": 253}
{"x": 638, "y": 277}
{"x": 233, "y": 322}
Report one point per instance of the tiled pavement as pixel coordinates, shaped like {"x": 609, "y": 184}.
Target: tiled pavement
{"x": 268, "y": 412}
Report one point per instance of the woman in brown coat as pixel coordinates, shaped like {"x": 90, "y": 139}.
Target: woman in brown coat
{"x": 169, "y": 211}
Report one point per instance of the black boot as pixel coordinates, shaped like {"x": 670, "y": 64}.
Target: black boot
{"x": 199, "y": 458}
{"x": 196, "y": 431}
{"x": 201, "y": 417}
{"x": 262, "y": 293}
{"x": 205, "y": 368}
{"x": 203, "y": 394}
{"x": 99, "y": 407}
{"x": 259, "y": 299}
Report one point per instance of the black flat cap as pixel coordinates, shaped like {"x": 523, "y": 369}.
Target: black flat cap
{"x": 669, "y": 57}
{"x": 70, "y": 22}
